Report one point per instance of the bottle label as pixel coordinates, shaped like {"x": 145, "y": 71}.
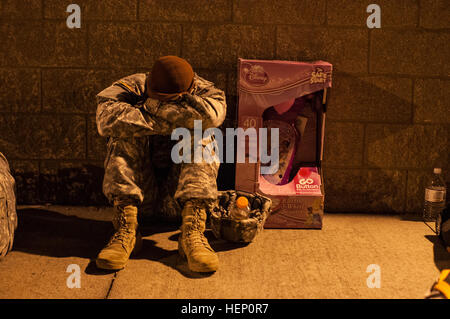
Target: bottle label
{"x": 434, "y": 195}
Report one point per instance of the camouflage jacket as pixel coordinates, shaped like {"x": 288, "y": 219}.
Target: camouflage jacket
{"x": 124, "y": 109}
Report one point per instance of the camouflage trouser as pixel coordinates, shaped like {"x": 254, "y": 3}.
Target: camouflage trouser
{"x": 139, "y": 171}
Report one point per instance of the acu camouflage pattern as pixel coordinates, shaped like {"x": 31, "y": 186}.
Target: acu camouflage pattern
{"x": 138, "y": 167}
{"x": 239, "y": 231}
{"x": 8, "y": 215}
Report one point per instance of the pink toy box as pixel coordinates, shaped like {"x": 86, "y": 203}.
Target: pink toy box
{"x": 289, "y": 99}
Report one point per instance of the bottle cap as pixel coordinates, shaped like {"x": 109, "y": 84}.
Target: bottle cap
{"x": 437, "y": 170}
{"x": 242, "y": 202}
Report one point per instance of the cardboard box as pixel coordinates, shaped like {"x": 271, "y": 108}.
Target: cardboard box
{"x": 288, "y": 98}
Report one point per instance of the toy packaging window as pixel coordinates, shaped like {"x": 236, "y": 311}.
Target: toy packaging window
{"x": 289, "y": 97}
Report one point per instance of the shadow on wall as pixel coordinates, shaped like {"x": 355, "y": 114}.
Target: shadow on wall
{"x": 377, "y": 156}
{"x": 80, "y": 186}
{"x": 80, "y": 183}
{"x": 67, "y": 186}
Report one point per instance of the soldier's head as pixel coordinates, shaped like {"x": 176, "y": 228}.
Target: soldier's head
{"x": 170, "y": 77}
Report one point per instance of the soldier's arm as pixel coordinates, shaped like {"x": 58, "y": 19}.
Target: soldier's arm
{"x": 120, "y": 115}
{"x": 206, "y": 103}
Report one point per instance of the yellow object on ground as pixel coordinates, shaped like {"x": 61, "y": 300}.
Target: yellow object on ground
{"x": 443, "y": 283}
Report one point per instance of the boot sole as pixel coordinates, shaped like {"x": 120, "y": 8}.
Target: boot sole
{"x": 194, "y": 266}
{"x": 107, "y": 265}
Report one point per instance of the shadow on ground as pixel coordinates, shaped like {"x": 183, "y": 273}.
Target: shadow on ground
{"x": 171, "y": 258}
{"x": 440, "y": 253}
{"x": 47, "y": 233}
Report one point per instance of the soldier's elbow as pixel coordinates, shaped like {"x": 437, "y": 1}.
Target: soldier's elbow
{"x": 215, "y": 121}
{"x": 101, "y": 130}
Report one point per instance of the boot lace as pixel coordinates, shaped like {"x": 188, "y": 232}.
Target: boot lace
{"x": 195, "y": 235}
{"x": 123, "y": 234}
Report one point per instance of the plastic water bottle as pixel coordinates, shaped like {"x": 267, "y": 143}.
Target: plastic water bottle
{"x": 434, "y": 196}
{"x": 241, "y": 208}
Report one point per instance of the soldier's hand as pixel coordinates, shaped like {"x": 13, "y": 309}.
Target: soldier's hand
{"x": 151, "y": 105}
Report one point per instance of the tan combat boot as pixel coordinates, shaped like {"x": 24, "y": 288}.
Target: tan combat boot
{"x": 126, "y": 238}
{"x": 192, "y": 244}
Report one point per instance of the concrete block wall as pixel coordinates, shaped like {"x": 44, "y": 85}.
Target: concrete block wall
{"x": 388, "y": 119}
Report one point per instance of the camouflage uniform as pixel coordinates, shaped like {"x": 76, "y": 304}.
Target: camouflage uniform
{"x": 138, "y": 167}
{"x": 8, "y": 214}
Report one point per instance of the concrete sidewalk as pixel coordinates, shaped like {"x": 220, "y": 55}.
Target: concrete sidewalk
{"x": 281, "y": 264}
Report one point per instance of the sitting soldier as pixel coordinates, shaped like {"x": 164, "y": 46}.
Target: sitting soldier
{"x": 138, "y": 114}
